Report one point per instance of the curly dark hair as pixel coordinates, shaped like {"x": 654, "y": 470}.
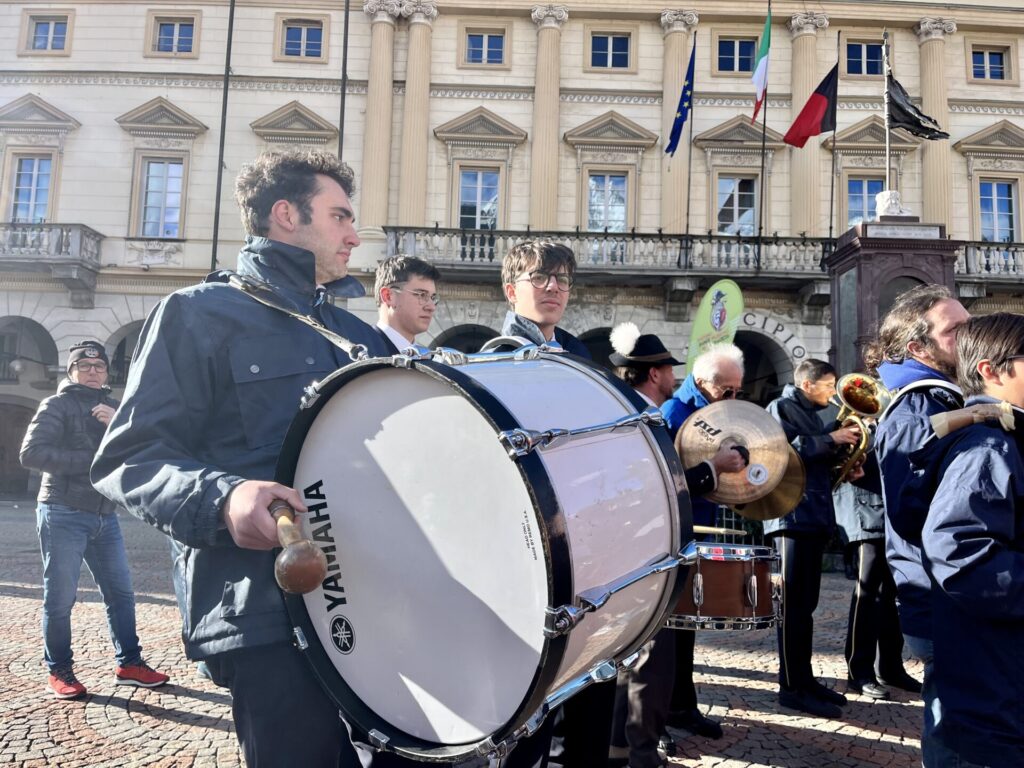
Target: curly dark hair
{"x": 287, "y": 176}
{"x": 904, "y": 323}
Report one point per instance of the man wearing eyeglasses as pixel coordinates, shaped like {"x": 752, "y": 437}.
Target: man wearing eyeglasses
{"x": 76, "y": 523}
{"x": 537, "y": 277}
{"x": 406, "y": 292}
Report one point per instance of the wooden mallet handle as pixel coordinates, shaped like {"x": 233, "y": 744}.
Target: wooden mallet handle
{"x": 301, "y": 566}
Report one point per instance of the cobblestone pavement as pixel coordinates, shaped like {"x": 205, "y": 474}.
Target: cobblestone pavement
{"x": 188, "y": 723}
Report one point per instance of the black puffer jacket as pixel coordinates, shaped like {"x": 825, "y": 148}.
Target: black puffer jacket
{"x": 61, "y": 442}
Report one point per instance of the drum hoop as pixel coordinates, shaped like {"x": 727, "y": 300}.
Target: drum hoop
{"x": 552, "y": 535}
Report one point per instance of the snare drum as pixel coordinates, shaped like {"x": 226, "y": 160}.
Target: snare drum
{"x": 501, "y": 530}
{"x": 729, "y": 588}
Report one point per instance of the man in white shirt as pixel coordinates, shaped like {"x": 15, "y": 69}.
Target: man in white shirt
{"x": 406, "y": 293}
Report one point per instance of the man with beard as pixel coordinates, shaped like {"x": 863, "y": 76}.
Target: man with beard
{"x": 915, "y": 357}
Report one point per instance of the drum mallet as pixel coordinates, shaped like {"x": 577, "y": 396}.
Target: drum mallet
{"x": 301, "y": 566}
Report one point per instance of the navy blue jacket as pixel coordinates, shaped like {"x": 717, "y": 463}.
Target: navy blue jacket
{"x": 516, "y": 325}
{"x": 810, "y": 438}
{"x": 676, "y": 410}
{"x": 213, "y": 387}
{"x": 973, "y": 543}
{"x": 903, "y": 430}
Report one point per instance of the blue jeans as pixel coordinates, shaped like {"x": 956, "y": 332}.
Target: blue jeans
{"x": 66, "y": 537}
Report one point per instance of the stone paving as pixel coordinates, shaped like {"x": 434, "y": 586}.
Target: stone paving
{"x": 188, "y": 723}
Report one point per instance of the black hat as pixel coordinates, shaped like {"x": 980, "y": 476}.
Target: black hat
{"x": 633, "y": 348}
{"x": 90, "y": 350}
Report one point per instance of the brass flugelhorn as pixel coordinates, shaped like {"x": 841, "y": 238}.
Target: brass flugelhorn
{"x": 859, "y": 397}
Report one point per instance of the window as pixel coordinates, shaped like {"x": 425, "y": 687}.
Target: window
{"x": 736, "y": 205}
{"x": 609, "y": 51}
{"x": 606, "y": 201}
{"x": 31, "y": 194}
{"x": 736, "y": 55}
{"x": 301, "y": 39}
{"x": 864, "y": 59}
{"x": 998, "y": 201}
{"x": 484, "y": 44}
{"x": 860, "y": 199}
{"x": 161, "y": 204}
{"x": 992, "y": 60}
{"x": 610, "y": 48}
{"x": 478, "y": 198}
{"x": 988, "y": 64}
{"x": 485, "y": 48}
{"x": 173, "y": 35}
{"x": 46, "y": 33}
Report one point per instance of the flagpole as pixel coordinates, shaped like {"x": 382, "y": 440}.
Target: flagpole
{"x": 689, "y": 162}
{"x": 886, "y": 70}
{"x": 764, "y": 142}
{"x": 832, "y": 173}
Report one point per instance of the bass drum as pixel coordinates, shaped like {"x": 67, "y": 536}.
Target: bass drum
{"x": 475, "y": 582}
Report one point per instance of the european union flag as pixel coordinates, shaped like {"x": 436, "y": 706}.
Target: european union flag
{"x": 683, "y": 110}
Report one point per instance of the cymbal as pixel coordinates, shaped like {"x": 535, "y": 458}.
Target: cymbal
{"x": 710, "y": 530}
{"x": 784, "y": 498}
{"x": 740, "y": 423}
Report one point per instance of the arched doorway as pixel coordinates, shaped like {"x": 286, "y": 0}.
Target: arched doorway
{"x": 599, "y": 344}
{"x": 120, "y": 350}
{"x": 14, "y": 479}
{"x": 465, "y": 338}
{"x": 27, "y": 352}
{"x": 767, "y": 367}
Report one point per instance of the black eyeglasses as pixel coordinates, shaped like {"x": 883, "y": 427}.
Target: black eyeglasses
{"x": 422, "y": 296}
{"x": 541, "y": 279}
{"x": 97, "y": 366}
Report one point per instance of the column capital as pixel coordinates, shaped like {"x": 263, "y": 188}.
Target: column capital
{"x": 806, "y": 24}
{"x": 382, "y": 10}
{"x": 931, "y": 28}
{"x": 420, "y": 11}
{"x": 552, "y": 16}
{"x": 678, "y": 21}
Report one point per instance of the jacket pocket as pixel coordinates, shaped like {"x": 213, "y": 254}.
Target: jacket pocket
{"x": 269, "y": 375}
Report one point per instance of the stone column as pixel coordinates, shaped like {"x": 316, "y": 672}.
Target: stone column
{"x": 376, "y": 172}
{"x": 805, "y": 163}
{"x": 547, "y": 87}
{"x": 678, "y": 26}
{"x": 936, "y": 170}
{"x": 412, "y": 190}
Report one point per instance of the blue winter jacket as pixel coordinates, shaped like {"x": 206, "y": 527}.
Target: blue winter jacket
{"x": 973, "y": 544}
{"x": 810, "y": 438}
{"x": 904, "y": 429}
{"x": 213, "y": 387}
{"x": 677, "y": 409}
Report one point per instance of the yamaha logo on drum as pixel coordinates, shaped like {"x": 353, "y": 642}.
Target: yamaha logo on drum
{"x": 342, "y": 634}
{"x": 321, "y": 533}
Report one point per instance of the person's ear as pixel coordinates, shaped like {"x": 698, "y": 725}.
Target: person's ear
{"x": 510, "y": 293}
{"x": 284, "y": 215}
{"x": 988, "y": 372}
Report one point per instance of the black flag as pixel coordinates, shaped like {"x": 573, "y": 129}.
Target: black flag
{"x": 903, "y": 114}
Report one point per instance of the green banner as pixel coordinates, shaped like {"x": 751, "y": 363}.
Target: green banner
{"x": 716, "y": 320}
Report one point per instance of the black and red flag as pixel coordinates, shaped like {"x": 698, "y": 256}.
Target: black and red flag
{"x": 818, "y": 114}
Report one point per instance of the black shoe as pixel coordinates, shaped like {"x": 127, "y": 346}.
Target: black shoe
{"x": 902, "y": 681}
{"x": 868, "y": 688}
{"x": 693, "y": 721}
{"x": 667, "y": 745}
{"x": 807, "y": 702}
{"x": 825, "y": 693}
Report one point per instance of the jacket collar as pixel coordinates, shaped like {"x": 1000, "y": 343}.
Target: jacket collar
{"x": 69, "y": 386}
{"x": 291, "y": 272}
{"x": 793, "y": 392}
{"x": 517, "y": 325}
{"x": 689, "y": 392}
{"x": 899, "y": 375}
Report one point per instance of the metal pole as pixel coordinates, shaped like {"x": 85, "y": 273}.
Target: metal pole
{"x": 223, "y": 134}
{"x": 344, "y": 84}
{"x": 832, "y": 173}
{"x": 764, "y": 141}
{"x": 885, "y": 99}
{"x": 689, "y": 168}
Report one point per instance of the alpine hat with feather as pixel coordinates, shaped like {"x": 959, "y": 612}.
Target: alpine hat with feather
{"x": 634, "y": 348}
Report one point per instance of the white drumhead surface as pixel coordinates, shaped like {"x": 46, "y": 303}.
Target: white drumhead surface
{"x": 439, "y": 628}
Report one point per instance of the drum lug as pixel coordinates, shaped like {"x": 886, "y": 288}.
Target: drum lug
{"x": 752, "y": 592}
{"x": 521, "y": 442}
{"x": 630, "y": 661}
{"x": 450, "y": 356}
{"x": 310, "y": 395}
{"x": 300, "y": 638}
{"x": 698, "y": 589}
{"x": 379, "y": 740}
{"x": 560, "y": 621}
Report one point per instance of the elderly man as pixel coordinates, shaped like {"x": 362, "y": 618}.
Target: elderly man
{"x": 717, "y": 375}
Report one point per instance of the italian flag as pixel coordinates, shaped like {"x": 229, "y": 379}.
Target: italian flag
{"x": 760, "y": 78}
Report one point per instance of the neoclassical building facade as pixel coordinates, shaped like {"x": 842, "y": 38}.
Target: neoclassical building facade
{"x": 472, "y": 126}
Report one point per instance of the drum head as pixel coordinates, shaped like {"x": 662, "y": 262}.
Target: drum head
{"x": 433, "y": 612}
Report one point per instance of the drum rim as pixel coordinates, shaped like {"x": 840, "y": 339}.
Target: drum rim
{"x": 552, "y": 535}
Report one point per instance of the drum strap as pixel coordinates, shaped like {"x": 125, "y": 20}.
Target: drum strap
{"x": 261, "y": 292}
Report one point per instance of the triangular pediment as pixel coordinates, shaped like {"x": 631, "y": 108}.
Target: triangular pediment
{"x": 159, "y": 117}
{"x": 869, "y": 136}
{"x": 735, "y": 133}
{"x": 480, "y": 126}
{"x": 294, "y": 124}
{"x": 1003, "y": 137}
{"x": 611, "y": 131}
{"x": 31, "y": 114}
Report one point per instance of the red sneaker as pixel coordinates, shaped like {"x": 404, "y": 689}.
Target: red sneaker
{"x": 65, "y": 685}
{"x": 140, "y": 674}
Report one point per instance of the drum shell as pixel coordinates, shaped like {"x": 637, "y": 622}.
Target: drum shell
{"x": 726, "y": 598}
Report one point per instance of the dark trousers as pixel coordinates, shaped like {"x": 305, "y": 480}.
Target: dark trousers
{"x": 642, "y": 700}
{"x": 873, "y": 631}
{"x": 684, "y": 694}
{"x": 801, "y": 582}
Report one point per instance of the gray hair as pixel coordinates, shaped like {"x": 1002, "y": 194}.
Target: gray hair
{"x": 709, "y": 362}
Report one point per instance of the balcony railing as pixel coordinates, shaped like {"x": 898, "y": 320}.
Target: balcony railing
{"x": 618, "y": 250}
{"x": 992, "y": 260}
{"x": 50, "y": 243}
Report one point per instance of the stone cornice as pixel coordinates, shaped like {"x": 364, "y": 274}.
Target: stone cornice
{"x": 931, "y": 28}
{"x": 679, "y": 21}
{"x": 806, "y": 24}
{"x": 549, "y": 16}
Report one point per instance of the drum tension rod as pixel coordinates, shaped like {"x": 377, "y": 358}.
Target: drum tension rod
{"x": 522, "y": 442}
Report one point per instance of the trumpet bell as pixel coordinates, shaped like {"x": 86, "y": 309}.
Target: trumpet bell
{"x": 784, "y": 498}
{"x": 738, "y": 423}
